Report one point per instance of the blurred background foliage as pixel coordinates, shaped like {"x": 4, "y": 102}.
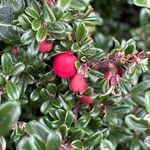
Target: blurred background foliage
{"x": 120, "y": 19}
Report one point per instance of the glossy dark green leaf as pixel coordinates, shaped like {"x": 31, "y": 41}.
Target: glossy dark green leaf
{"x": 9, "y": 114}
{"x": 106, "y": 144}
{"x": 144, "y": 16}
{"x": 32, "y": 12}
{"x": 18, "y": 5}
{"x": 147, "y": 101}
{"x": 27, "y": 37}
{"x": 8, "y": 32}
{"x": 24, "y": 21}
{"x": 63, "y": 4}
{"x": 81, "y": 32}
{"x": 48, "y": 15}
{"x": 130, "y": 46}
{"x": 69, "y": 118}
{"x": 7, "y": 63}
{"x": 35, "y": 95}
{"x": 18, "y": 68}
{"x": 64, "y": 130}
{"x": 41, "y": 34}
{"x": 93, "y": 139}
{"x": 28, "y": 143}
{"x": 2, "y": 79}
{"x": 12, "y": 91}
{"x": 77, "y": 134}
{"x": 52, "y": 88}
{"x": 77, "y": 144}
{"x": 141, "y": 87}
{"x": 53, "y": 141}
{"x": 137, "y": 124}
{"x": 36, "y": 24}
{"x": 78, "y": 5}
{"x": 33, "y": 48}
{"x": 41, "y": 130}
{"x": 135, "y": 144}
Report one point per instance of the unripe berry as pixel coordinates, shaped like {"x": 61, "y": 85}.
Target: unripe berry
{"x": 78, "y": 84}
{"x": 64, "y": 65}
{"x": 45, "y": 46}
{"x": 86, "y": 99}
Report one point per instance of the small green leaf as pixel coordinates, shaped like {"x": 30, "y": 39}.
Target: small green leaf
{"x": 18, "y": 68}
{"x": 18, "y": 5}
{"x": 106, "y": 144}
{"x": 93, "y": 140}
{"x": 36, "y": 24}
{"x": 141, "y": 87}
{"x": 63, "y": 4}
{"x": 28, "y": 143}
{"x": 77, "y": 144}
{"x": 35, "y": 95}
{"x": 147, "y": 141}
{"x": 7, "y": 63}
{"x": 41, "y": 34}
{"x": 64, "y": 130}
{"x": 68, "y": 118}
{"x": 137, "y": 124}
{"x": 81, "y": 32}
{"x": 2, "y": 143}
{"x": 48, "y": 15}
{"x": 24, "y": 21}
{"x": 52, "y": 88}
{"x": 135, "y": 144}
{"x": 32, "y": 12}
{"x": 9, "y": 114}
{"x": 78, "y": 4}
{"x": 77, "y": 134}
{"x": 33, "y": 48}
{"x": 143, "y": 3}
{"x": 34, "y": 127}
{"x": 130, "y": 46}
{"x": 27, "y": 37}
{"x": 2, "y": 79}
{"x": 144, "y": 17}
{"x": 53, "y": 141}
{"x": 147, "y": 101}
{"x": 12, "y": 91}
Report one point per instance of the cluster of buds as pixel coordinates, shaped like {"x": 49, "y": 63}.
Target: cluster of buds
{"x": 115, "y": 65}
{"x": 51, "y": 2}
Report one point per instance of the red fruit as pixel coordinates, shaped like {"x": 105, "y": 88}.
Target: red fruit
{"x": 45, "y": 46}
{"x": 78, "y": 84}
{"x": 86, "y": 99}
{"x": 15, "y": 50}
{"x": 64, "y": 65}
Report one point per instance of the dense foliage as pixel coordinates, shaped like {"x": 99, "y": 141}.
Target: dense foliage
{"x": 74, "y": 75}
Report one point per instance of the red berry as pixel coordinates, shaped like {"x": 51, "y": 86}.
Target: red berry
{"x": 64, "y": 65}
{"x": 78, "y": 84}
{"x": 45, "y": 46}
{"x": 86, "y": 99}
{"x": 15, "y": 50}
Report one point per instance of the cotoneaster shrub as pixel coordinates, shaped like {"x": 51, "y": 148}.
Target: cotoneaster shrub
{"x": 59, "y": 90}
